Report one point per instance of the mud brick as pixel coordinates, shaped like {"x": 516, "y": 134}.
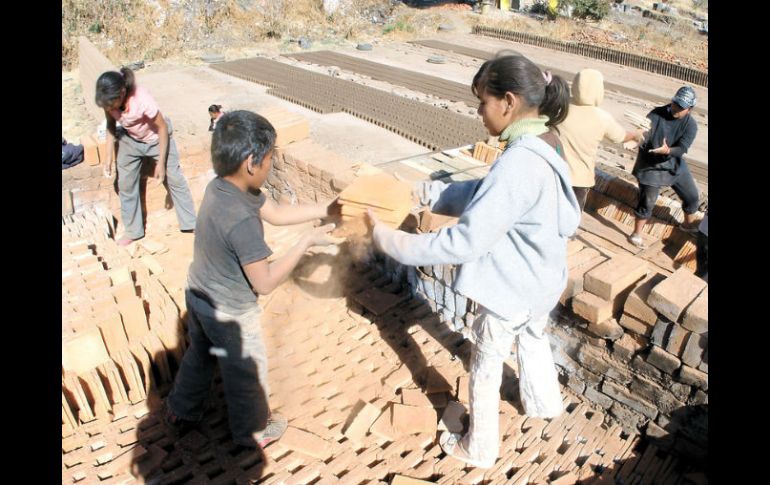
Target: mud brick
{"x": 411, "y": 419}
{"x": 150, "y": 461}
{"x": 90, "y": 149}
{"x": 399, "y": 378}
{"x": 615, "y": 276}
{"x": 597, "y": 397}
{"x": 568, "y": 479}
{"x": 383, "y": 426}
{"x": 577, "y": 273}
{"x": 635, "y": 325}
{"x": 693, "y": 377}
{"x": 573, "y": 246}
{"x": 83, "y": 351}
{"x": 693, "y": 350}
{"x": 672, "y": 296}
{"x": 607, "y": 329}
{"x": 574, "y": 383}
{"x": 591, "y": 307}
{"x": 366, "y": 415}
{"x": 663, "y": 360}
{"x": 463, "y": 389}
{"x": 307, "y": 443}
{"x": 592, "y": 360}
{"x": 452, "y": 418}
{"x": 134, "y": 318}
{"x": 640, "y": 365}
{"x": 415, "y": 397}
{"x": 699, "y": 398}
{"x": 661, "y": 332}
{"x": 626, "y": 347}
{"x": 636, "y": 303}
{"x": 618, "y": 372}
{"x": 438, "y": 379}
{"x": 696, "y": 317}
{"x": 628, "y": 419}
{"x": 677, "y": 338}
{"x": 622, "y": 395}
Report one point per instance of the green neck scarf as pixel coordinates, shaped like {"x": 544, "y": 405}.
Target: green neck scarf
{"x": 526, "y": 126}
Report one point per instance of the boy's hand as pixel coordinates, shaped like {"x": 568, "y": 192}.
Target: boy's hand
{"x": 320, "y": 236}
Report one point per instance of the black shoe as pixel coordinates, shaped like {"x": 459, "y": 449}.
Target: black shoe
{"x": 187, "y": 231}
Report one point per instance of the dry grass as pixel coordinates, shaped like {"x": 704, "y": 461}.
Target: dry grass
{"x": 131, "y": 30}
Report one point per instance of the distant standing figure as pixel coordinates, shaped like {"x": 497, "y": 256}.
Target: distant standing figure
{"x": 215, "y": 112}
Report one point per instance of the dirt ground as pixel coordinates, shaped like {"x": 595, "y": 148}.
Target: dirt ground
{"x": 349, "y": 136}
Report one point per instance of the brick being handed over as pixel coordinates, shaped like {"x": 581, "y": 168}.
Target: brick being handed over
{"x": 672, "y": 296}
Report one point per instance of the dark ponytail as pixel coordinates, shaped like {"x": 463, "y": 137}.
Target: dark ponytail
{"x": 521, "y": 76}
{"x": 556, "y": 102}
{"x": 110, "y": 83}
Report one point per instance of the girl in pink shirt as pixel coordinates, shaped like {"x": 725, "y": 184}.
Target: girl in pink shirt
{"x": 144, "y": 133}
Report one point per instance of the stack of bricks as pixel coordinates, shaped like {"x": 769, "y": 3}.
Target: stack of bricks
{"x": 306, "y": 172}
{"x": 485, "y": 152}
{"x": 111, "y": 346}
{"x": 653, "y": 373}
{"x": 365, "y": 395}
{"x": 615, "y": 198}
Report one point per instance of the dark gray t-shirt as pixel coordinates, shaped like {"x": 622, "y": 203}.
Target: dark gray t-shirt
{"x": 228, "y": 236}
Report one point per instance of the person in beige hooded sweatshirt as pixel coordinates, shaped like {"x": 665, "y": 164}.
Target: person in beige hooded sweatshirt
{"x": 584, "y": 128}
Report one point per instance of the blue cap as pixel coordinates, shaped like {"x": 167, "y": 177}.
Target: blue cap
{"x": 685, "y": 97}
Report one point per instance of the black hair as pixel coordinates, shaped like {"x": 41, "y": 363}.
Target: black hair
{"x": 239, "y": 134}
{"x": 521, "y": 76}
{"x": 110, "y": 83}
{"x": 215, "y": 108}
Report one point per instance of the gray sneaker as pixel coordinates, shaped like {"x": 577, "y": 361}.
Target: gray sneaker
{"x": 276, "y": 427}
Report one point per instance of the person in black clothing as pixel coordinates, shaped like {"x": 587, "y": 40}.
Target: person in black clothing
{"x": 659, "y": 162}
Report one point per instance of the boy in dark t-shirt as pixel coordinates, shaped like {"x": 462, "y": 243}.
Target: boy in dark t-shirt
{"x": 229, "y": 269}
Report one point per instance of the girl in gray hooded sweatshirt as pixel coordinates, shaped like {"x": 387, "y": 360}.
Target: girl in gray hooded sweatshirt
{"x": 510, "y": 244}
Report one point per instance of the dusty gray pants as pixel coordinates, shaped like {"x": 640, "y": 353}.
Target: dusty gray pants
{"x": 130, "y": 154}
{"x": 538, "y": 382}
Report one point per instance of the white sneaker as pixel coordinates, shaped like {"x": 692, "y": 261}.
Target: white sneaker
{"x": 450, "y": 444}
{"x": 636, "y": 240}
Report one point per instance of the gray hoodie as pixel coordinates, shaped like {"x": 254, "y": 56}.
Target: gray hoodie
{"x": 511, "y": 239}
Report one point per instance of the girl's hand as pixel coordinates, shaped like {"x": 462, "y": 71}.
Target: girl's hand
{"x": 371, "y": 219}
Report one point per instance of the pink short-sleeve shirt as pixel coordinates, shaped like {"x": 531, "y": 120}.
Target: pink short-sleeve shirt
{"x": 140, "y": 110}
